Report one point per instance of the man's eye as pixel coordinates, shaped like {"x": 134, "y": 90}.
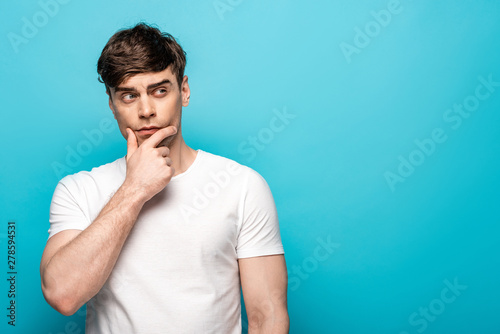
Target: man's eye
{"x": 128, "y": 97}
{"x": 160, "y": 91}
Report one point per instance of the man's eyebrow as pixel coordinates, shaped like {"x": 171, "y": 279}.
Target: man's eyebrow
{"x": 132, "y": 89}
{"x": 166, "y": 81}
{"x": 125, "y": 89}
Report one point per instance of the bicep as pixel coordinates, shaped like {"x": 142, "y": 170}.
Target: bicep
{"x": 264, "y": 281}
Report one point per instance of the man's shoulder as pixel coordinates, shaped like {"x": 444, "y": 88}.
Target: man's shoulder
{"x": 96, "y": 175}
{"x": 212, "y": 161}
{"x": 217, "y": 163}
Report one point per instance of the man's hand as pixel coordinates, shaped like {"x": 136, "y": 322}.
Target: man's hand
{"x": 149, "y": 168}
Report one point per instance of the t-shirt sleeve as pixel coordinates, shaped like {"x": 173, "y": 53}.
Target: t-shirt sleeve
{"x": 259, "y": 231}
{"x": 65, "y": 213}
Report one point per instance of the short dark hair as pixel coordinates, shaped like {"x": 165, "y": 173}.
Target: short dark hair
{"x": 140, "y": 49}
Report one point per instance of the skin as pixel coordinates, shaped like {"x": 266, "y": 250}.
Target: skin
{"x": 75, "y": 264}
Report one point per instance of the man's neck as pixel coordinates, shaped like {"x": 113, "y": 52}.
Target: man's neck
{"x": 182, "y": 155}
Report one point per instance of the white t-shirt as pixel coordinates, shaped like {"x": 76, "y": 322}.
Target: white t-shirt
{"x": 178, "y": 269}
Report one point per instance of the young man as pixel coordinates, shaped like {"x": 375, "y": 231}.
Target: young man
{"x": 161, "y": 240}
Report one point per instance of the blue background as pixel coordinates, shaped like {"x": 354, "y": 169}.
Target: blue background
{"x": 355, "y": 116}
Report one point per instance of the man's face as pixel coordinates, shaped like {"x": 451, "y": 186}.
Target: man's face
{"x": 147, "y": 102}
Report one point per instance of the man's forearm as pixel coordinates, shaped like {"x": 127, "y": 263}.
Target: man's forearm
{"x": 79, "y": 269}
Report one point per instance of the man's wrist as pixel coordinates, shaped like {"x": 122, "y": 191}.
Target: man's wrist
{"x": 133, "y": 194}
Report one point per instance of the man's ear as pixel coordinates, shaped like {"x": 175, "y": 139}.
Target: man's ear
{"x": 185, "y": 91}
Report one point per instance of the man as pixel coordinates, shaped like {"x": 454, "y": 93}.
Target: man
{"x": 161, "y": 240}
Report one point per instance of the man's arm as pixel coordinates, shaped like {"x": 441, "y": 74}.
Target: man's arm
{"x": 76, "y": 264}
{"x": 264, "y": 281}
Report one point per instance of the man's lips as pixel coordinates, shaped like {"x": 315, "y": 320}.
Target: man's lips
{"x": 147, "y": 130}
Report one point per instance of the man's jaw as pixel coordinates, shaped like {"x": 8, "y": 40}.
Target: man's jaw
{"x": 168, "y": 142}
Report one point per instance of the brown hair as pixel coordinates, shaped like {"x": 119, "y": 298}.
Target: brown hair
{"x": 140, "y": 49}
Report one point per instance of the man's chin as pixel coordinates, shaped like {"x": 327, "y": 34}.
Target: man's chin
{"x": 167, "y": 141}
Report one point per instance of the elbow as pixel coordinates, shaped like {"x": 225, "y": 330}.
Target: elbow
{"x": 269, "y": 322}
{"x": 64, "y": 303}
{"x": 66, "y": 309}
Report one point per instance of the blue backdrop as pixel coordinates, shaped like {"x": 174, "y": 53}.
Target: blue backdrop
{"x": 384, "y": 163}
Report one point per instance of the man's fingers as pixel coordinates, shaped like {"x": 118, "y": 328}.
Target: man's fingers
{"x": 159, "y": 135}
{"x": 131, "y": 143}
{"x": 164, "y": 151}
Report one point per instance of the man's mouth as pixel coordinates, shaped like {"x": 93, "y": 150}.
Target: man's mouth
{"x": 147, "y": 130}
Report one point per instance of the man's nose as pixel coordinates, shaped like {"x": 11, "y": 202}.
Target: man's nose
{"x": 146, "y": 108}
